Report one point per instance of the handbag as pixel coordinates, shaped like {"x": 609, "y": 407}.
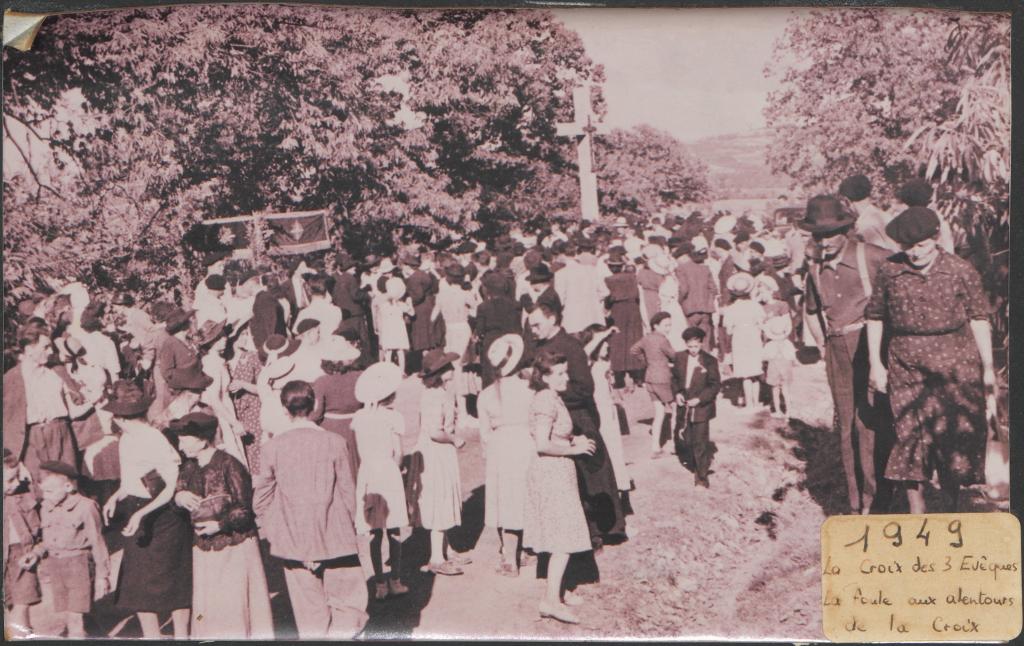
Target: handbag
{"x": 154, "y": 483}
{"x": 997, "y": 461}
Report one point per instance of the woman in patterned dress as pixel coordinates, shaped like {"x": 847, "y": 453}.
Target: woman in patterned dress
{"x": 554, "y": 521}
{"x": 939, "y": 373}
{"x": 245, "y": 367}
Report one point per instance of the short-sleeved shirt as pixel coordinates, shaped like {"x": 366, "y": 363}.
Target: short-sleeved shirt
{"x": 941, "y": 300}
{"x": 548, "y": 412}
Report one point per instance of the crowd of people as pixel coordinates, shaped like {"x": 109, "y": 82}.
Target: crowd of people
{"x": 319, "y": 403}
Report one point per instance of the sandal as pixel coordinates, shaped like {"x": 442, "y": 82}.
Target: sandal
{"x": 459, "y": 559}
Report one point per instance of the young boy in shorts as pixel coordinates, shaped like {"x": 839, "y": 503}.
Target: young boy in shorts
{"x": 77, "y": 563}
{"x": 22, "y": 548}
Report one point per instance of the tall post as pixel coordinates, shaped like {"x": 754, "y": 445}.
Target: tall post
{"x": 583, "y": 129}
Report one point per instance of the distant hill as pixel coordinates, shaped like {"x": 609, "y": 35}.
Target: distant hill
{"x": 737, "y": 167}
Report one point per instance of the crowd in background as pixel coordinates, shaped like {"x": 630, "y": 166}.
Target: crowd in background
{"x": 319, "y": 403}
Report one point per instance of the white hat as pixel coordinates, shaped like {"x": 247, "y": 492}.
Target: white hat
{"x": 700, "y": 243}
{"x": 740, "y": 283}
{"x": 774, "y": 248}
{"x": 505, "y": 353}
{"x": 652, "y": 251}
{"x": 662, "y": 265}
{"x": 338, "y": 348}
{"x": 395, "y": 287}
{"x": 778, "y": 327}
{"x": 621, "y": 222}
{"x": 378, "y": 382}
{"x": 725, "y": 224}
{"x": 386, "y": 266}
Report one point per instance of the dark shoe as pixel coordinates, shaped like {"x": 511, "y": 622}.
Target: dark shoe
{"x": 396, "y": 588}
{"x": 627, "y": 508}
{"x": 704, "y": 483}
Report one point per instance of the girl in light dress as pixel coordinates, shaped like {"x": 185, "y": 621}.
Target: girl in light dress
{"x": 504, "y": 408}
{"x": 440, "y": 499}
{"x": 380, "y": 493}
{"x": 780, "y": 355}
{"x": 742, "y": 320}
{"x": 392, "y": 309}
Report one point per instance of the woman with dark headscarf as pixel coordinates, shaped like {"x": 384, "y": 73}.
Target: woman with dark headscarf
{"x": 939, "y": 370}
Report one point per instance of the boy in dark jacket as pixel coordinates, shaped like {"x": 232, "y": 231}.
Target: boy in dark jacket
{"x": 696, "y": 382}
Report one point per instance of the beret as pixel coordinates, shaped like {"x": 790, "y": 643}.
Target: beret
{"x": 215, "y": 282}
{"x": 742, "y": 236}
{"x": 305, "y": 325}
{"x": 855, "y": 188}
{"x": 60, "y": 468}
{"x": 758, "y": 246}
{"x": 916, "y": 192}
{"x": 198, "y": 424}
{"x": 913, "y": 225}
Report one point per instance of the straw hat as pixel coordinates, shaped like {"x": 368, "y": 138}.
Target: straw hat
{"x": 338, "y": 349}
{"x": 700, "y": 243}
{"x": 505, "y": 353}
{"x": 740, "y": 283}
{"x": 395, "y": 287}
{"x": 378, "y": 382}
{"x": 778, "y": 328}
{"x": 387, "y": 266}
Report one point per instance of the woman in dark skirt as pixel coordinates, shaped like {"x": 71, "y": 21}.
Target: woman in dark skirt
{"x": 939, "y": 374}
{"x": 156, "y": 570}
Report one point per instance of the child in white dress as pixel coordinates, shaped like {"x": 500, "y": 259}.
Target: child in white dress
{"x": 380, "y": 493}
{"x": 392, "y": 310}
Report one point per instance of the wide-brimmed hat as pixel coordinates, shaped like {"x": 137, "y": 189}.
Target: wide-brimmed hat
{"x": 620, "y": 222}
{"x": 127, "y": 399}
{"x": 410, "y": 258}
{"x": 395, "y": 287}
{"x": 280, "y": 344}
{"x": 740, "y": 283}
{"x": 73, "y": 347}
{"x": 338, "y": 349}
{"x": 178, "y": 320}
{"x": 699, "y": 244}
{"x": 826, "y": 214}
{"x": 378, "y": 382}
{"x": 540, "y": 274}
{"x": 190, "y": 377}
{"x": 663, "y": 265}
{"x": 208, "y": 332}
{"x": 387, "y": 266}
{"x": 436, "y": 360}
{"x": 505, "y": 353}
{"x": 779, "y": 327}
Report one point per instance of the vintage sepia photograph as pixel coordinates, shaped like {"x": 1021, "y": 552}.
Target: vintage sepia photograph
{"x": 351, "y": 323}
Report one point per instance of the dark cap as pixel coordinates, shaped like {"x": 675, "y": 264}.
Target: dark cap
{"x": 198, "y": 424}
{"x": 916, "y": 192}
{"x": 913, "y": 225}
{"x": 540, "y": 274}
{"x": 60, "y": 468}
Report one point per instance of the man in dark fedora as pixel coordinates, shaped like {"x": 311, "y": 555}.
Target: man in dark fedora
{"x": 841, "y": 271}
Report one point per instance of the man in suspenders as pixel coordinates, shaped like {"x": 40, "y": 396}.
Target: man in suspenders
{"x": 840, "y": 274}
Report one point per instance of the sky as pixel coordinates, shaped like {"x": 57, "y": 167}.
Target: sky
{"x": 692, "y": 72}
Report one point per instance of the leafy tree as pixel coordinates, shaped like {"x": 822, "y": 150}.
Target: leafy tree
{"x": 643, "y": 171}
{"x": 897, "y": 95}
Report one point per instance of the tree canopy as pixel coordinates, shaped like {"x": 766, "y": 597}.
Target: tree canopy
{"x": 135, "y": 125}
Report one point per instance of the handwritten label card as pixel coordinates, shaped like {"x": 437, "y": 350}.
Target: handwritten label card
{"x": 921, "y": 578}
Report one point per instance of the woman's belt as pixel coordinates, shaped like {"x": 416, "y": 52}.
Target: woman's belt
{"x": 944, "y": 332}
{"x": 846, "y": 329}
{"x": 330, "y": 415}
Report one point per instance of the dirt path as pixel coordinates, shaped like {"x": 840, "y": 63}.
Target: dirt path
{"x": 737, "y": 560}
